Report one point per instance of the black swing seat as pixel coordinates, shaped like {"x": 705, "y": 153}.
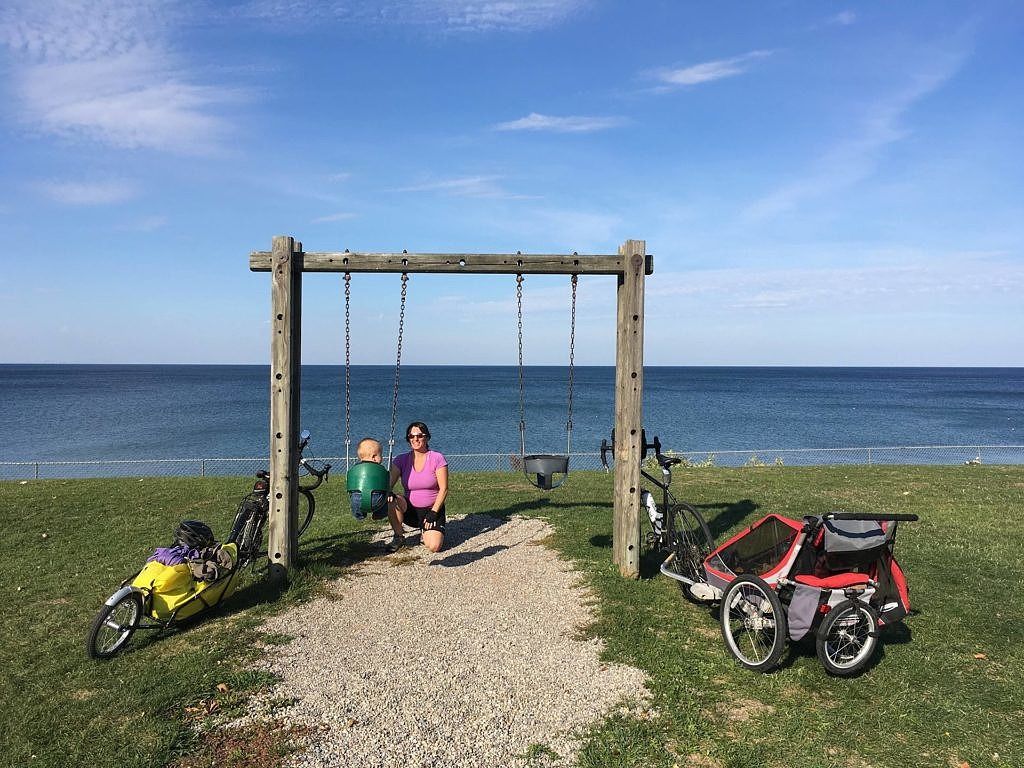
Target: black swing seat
{"x": 544, "y": 465}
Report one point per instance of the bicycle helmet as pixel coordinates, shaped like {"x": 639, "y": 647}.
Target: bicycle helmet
{"x": 194, "y": 534}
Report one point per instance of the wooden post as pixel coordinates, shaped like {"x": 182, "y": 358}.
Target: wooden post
{"x": 285, "y": 361}
{"x": 629, "y": 387}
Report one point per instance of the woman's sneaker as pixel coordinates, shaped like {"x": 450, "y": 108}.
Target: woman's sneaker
{"x": 396, "y": 543}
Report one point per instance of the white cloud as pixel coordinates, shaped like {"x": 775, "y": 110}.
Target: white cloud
{"x": 466, "y": 186}
{"x": 708, "y": 71}
{"x": 451, "y": 15}
{"x": 146, "y": 224}
{"x": 855, "y": 158}
{"x": 903, "y": 281}
{"x": 568, "y": 124}
{"x": 89, "y": 192}
{"x": 338, "y": 177}
{"x": 479, "y": 15}
{"x": 342, "y": 216}
{"x": 105, "y": 71}
{"x": 844, "y": 18}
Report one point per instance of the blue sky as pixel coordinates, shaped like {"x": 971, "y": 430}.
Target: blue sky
{"x": 821, "y": 183}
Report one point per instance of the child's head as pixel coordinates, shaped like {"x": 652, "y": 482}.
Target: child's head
{"x": 368, "y": 450}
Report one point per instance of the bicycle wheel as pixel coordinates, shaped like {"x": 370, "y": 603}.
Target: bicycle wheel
{"x": 753, "y": 623}
{"x": 690, "y": 540}
{"x": 310, "y": 509}
{"x": 113, "y": 626}
{"x": 847, "y": 638}
{"x": 252, "y": 537}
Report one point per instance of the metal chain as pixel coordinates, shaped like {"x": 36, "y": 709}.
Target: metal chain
{"x": 522, "y": 396}
{"x": 348, "y": 369}
{"x": 398, "y": 369}
{"x": 572, "y": 359}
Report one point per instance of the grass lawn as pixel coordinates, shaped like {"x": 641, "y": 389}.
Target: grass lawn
{"x": 948, "y": 689}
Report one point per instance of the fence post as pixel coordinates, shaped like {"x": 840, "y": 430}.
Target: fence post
{"x": 202, "y": 467}
{"x": 37, "y": 470}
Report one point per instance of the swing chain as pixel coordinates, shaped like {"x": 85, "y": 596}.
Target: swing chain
{"x": 572, "y": 358}
{"x": 348, "y": 369}
{"x": 398, "y": 368}
{"x": 522, "y": 396}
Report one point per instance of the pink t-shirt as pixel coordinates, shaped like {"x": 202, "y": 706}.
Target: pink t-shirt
{"x": 421, "y": 487}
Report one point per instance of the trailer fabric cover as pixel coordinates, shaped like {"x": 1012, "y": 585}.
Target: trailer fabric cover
{"x": 854, "y": 535}
{"x": 802, "y": 610}
{"x": 852, "y": 545}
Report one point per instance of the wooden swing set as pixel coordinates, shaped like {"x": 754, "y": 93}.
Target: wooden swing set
{"x": 286, "y": 262}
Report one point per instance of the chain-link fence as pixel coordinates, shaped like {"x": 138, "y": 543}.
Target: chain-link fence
{"x": 511, "y": 462}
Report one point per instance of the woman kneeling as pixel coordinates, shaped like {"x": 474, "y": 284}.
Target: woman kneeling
{"x": 424, "y": 476}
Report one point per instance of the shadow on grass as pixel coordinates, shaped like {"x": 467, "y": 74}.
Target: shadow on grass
{"x": 728, "y": 515}
{"x": 806, "y": 648}
{"x": 339, "y": 550}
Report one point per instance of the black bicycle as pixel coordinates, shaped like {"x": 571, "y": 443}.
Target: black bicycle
{"x": 254, "y": 509}
{"x": 676, "y": 528}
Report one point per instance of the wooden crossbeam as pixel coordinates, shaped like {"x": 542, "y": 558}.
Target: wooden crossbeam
{"x": 454, "y": 263}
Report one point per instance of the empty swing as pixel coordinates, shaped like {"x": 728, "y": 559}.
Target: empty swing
{"x": 544, "y": 466}
{"x": 368, "y": 482}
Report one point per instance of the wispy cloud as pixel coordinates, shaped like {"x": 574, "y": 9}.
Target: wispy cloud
{"x": 902, "y": 282}
{"x": 843, "y": 18}
{"x": 450, "y": 15}
{"x": 338, "y": 177}
{"x": 342, "y": 216}
{"x": 466, "y": 186}
{"x": 105, "y": 71}
{"x": 567, "y": 124}
{"x": 707, "y": 71}
{"x": 89, "y": 192}
{"x": 145, "y": 224}
{"x": 855, "y": 158}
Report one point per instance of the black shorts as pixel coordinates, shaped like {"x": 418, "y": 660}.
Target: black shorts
{"x": 414, "y": 516}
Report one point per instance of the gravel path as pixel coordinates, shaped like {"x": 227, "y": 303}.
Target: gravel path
{"x": 467, "y": 657}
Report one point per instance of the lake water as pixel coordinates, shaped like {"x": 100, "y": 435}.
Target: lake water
{"x": 90, "y": 412}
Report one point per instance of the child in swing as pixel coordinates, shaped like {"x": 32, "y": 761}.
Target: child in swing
{"x": 359, "y": 483}
{"x": 369, "y": 450}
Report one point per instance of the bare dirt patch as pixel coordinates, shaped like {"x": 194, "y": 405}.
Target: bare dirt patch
{"x": 742, "y": 711}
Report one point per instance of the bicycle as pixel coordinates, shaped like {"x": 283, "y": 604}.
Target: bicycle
{"x": 254, "y": 509}
{"x": 159, "y": 595}
{"x": 677, "y": 528}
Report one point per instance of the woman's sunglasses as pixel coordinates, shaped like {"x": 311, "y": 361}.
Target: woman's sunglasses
{"x": 414, "y": 435}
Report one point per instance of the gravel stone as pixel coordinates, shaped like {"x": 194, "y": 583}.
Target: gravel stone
{"x": 467, "y": 657}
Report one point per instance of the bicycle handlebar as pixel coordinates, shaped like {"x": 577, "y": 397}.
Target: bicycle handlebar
{"x": 664, "y": 461}
{"x": 319, "y": 474}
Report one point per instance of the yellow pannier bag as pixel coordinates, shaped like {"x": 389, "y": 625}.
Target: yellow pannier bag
{"x": 174, "y": 589}
{"x": 169, "y": 585}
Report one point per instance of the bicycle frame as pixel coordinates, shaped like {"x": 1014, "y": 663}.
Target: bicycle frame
{"x": 683, "y": 532}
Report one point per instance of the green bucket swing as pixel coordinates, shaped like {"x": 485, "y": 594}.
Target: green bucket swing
{"x": 367, "y": 482}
